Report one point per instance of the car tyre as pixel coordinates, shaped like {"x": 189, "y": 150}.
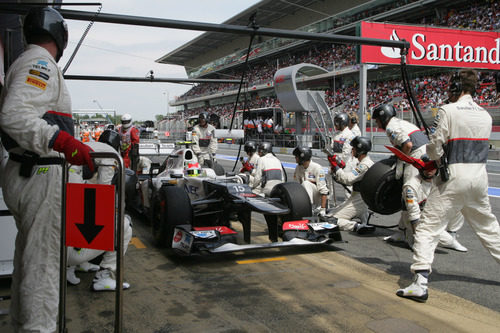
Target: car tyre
{"x": 380, "y": 189}
{"x": 170, "y": 207}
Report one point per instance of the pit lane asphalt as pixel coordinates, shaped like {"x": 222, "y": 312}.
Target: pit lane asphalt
{"x": 345, "y": 287}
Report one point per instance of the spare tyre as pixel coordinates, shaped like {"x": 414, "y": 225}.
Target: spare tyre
{"x": 379, "y": 188}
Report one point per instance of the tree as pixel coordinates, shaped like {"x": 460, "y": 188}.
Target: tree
{"x": 159, "y": 117}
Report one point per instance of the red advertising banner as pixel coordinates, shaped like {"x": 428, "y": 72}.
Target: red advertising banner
{"x": 438, "y": 47}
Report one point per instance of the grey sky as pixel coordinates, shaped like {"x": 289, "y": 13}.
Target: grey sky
{"x": 122, "y": 50}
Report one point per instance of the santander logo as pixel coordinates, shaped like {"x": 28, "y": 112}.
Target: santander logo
{"x": 391, "y": 52}
{"x": 433, "y": 46}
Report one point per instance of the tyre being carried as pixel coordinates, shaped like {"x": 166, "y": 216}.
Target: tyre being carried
{"x": 380, "y": 189}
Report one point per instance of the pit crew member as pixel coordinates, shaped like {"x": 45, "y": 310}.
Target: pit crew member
{"x": 461, "y": 131}
{"x": 129, "y": 138}
{"x": 268, "y": 172}
{"x": 204, "y": 141}
{"x": 37, "y": 125}
{"x": 312, "y": 177}
{"x": 105, "y": 278}
{"x": 354, "y": 206}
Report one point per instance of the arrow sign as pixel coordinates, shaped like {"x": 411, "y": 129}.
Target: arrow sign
{"x": 88, "y": 228}
{"x": 90, "y": 216}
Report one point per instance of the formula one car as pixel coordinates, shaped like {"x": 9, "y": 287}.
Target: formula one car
{"x": 191, "y": 208}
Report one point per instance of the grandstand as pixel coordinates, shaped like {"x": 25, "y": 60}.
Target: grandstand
{"x": 218, "y": 55}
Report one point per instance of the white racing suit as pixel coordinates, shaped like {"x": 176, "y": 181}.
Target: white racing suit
{"x": 400, "y": 132}
{"x": 354, "y": 206}
{"x": 104, "y": 175}
{"x": 204, "y": 143}
{"x": 341, "y": 146}
{"x": 464, "y": 127}
{"x": 35, "y": 104}
{"x": 415, "y": 197}
{"x": 268, "y": 173}
{"x": 313, "y": 179}
{"x": 355, "y": 130}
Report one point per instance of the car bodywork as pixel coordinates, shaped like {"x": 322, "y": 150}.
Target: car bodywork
{"x": 193, "y": 214}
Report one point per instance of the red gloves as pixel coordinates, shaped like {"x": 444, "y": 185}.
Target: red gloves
{"x": 75, "y": 152}
{"x": 336, "y": 162}
{"x": 246, "y": 167}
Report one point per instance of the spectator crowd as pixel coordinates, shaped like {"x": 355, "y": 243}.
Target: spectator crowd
{"x": 430, "y": 89}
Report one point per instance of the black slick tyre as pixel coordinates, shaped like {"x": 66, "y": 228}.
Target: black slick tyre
{"x": 379, "y": 188}
{"x": 171, "y": 207}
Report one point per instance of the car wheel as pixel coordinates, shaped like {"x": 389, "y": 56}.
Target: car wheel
{"x": 379, "y": 188}
{"x": 171, "y": 207}
{"x": 295, "y": 197}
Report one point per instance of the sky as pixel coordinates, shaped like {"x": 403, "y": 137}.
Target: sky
{"x": 125, "y": 50}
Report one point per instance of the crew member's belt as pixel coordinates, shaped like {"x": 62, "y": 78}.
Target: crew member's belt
{"x": 28, "y": 160}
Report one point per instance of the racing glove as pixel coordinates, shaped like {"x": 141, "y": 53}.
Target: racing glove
{"x": 75, "y": 152}
{"x": 336, "y": 162}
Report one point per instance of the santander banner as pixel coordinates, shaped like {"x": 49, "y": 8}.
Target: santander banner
{"x": 433, "y": 46}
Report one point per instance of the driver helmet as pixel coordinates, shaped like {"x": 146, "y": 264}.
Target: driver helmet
{"x": 42, "y": 21}
{"x": 193, "y": 169}
{"x": 213, "y": 119}
{"x": 303, "y": 153}
{"x": 265, "y": 148}
{"x": 384, "y": 112}
{"x": 341, "y": 120}
{"x": 250, "y": 147}
{"x": 126, "y": 120}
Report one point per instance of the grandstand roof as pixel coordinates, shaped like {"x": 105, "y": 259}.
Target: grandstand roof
{"x": 268, "y": 11}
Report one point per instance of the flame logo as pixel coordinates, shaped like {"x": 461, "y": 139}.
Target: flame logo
{"x": 391, "y": 52}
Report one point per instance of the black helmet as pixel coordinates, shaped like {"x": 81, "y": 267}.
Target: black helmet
{"x": 265, "y": 147}
{"x": 203, "y": 115}
{"x": 303, "y": 153}
{"x": 341, "y": 120}
{"x": 362, "y": 144}
{"x": 111, "y": 138}
{"x": 250, "y": 147}
{"x": 384, "y": 112}
{"x": 46, "y": 21}
{"x": 213, "y": 117}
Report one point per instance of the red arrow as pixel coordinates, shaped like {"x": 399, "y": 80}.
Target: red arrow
{"x": 88, "y": 228}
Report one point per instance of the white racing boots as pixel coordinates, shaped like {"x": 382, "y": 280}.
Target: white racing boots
{"x": 105, "y": 280}
{"x": 84, "y": 267}
{"x": 417, "y": 290}
{"x": 452, "y": 243}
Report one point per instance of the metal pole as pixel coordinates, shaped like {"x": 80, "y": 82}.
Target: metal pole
{"x": 143, "y": 79}
{"x": 362, "y": 97}
{"x": 119, "y": 254}
{"x": 119, "y": 221}
{"x": 225, "y": 28}
{"x": 63, "y": 252}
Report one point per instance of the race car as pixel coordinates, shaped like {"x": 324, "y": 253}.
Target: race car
{"x": 191, "y": 208}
